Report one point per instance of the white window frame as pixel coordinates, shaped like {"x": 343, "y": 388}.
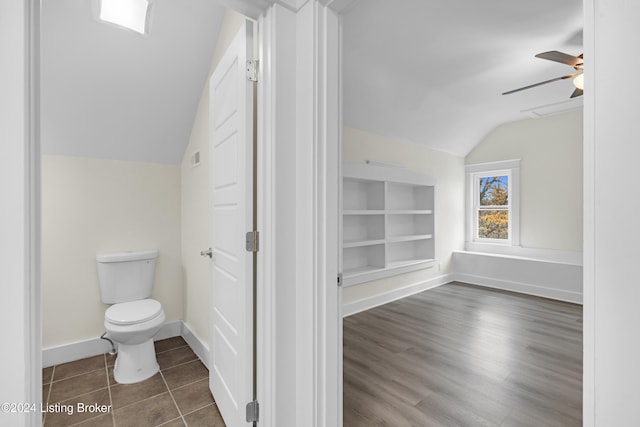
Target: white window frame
{"x": 474, "y": 172}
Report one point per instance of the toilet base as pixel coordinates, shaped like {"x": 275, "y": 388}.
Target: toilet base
{"x": 135, "y": 362}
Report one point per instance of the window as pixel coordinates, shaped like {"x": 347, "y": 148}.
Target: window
{"x": 492, "y": 206}
{"x": 492, "y": 194}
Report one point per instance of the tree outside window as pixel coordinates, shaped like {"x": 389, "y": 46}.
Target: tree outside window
{"x": 493, "y": 209}
{"x": 493, "y": 204}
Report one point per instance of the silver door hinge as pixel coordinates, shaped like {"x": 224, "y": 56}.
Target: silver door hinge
{"x": 252, "y": 70}
{"x": 252, "y": 241}
{"x": 339, "y": 279}
{"x": 253, "y": 412}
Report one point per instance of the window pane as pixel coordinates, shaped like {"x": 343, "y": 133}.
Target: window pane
{"x": 493, "y": 224}
{"x": 494, "y": 191}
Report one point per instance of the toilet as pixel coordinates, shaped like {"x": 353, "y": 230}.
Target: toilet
{"x": 126, "y": 281}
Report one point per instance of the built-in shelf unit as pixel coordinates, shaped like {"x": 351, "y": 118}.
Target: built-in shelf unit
{"x": 387, "y": 222}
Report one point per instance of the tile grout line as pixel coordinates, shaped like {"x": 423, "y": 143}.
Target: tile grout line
{"x": 106, "y": 368}
{"x": 188, "y": 384}
{"x": 200, "y": 408}
{"x": 170, "y": 421}
{"x": 70, "y": 397}
{"x": 53, "y": 371}
{"x": 108, "y": 391}
{"x": 172, "y": 398}
{"x": 74, "y": 397}
{"x": 183, "y": 363}
{"x": 76, "y": 376}
{"x": 143, "y": 400}
{"x": 191, "y": 383}
{"x": 171, "y": 349}
{"x": 83, "y": 394}
{"x": 109, "y": 385}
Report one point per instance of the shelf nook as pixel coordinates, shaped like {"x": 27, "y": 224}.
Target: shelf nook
{"x": 387, "y": 222}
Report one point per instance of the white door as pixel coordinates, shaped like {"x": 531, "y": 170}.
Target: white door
{"x": 231, "y": 145}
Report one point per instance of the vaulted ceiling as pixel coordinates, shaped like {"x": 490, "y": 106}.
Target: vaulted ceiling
{"x": 111, "y": 93}
{"x": 428, "y": 71}
{"x": 433, "y": 71}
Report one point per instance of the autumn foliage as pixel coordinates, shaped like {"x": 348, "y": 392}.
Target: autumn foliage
{"x": 493, "y": 216}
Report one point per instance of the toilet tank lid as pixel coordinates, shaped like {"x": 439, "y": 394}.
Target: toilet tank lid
{"x": 126, "y": 256}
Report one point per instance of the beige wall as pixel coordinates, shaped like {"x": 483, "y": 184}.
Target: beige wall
{"x": 359, "y": 146}
{"x": 550, "y": 150}
{"x": 196, "y": 230}
{"x": 91, "y": 206}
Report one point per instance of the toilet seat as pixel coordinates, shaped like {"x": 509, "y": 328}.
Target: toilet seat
{"x": 128, "y": 313}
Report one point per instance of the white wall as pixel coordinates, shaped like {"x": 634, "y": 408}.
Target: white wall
{"x": 196, "y": 228}
{"x": 612, "y": 287}
{"x": 96, "y": 205}
{"x": 448, "y": 169}
{"x": 19, "y": 382}
{"x": 550, "y": 150}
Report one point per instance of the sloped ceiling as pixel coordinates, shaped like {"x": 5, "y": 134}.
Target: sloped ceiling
{"x": 111, "y": 93}
{"x": 433, "y": 71}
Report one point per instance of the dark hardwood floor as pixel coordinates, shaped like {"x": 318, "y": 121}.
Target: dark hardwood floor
{"x": 461, "y": 355}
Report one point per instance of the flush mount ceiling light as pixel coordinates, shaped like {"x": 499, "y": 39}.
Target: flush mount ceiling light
{"x": 132, "y": 14}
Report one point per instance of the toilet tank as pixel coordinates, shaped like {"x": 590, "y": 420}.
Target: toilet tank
{"x": 126, "y": 276}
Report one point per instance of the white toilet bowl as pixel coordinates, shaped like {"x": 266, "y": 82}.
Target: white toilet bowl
{"x": 132, "y": 325}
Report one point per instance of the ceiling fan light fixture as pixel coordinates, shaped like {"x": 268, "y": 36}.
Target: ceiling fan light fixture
{"x": 573, "y": 61}
{"x": 131, "y": 14}
{"x": 578, "y": 81}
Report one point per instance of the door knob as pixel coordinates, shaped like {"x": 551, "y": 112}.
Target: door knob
{"x": 208, "y": 253}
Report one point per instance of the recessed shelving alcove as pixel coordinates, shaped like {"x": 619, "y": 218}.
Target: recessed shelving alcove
{"x": 387, "y": 222}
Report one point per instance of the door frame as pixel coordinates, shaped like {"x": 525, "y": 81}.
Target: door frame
{"x": 22, "y": 299}
{"x": 311, "y": 145}
{"x": 20, "y": 223}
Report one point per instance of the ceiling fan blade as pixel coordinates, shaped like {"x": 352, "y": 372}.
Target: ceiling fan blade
{"x": 568, "y": 76}
{"x": 560, "y": 57}
{"x": 576, "y": 93}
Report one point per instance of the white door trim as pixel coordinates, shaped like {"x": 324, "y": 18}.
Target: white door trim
{"x": 266, "y": 379}
{"x": 298, "y": 216}
{"x": 589, "y": 221}
{"x": 20, "y": 219}
{"x": 323, "y": 111}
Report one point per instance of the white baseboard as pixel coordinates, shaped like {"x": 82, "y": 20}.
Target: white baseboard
{"x": 95, "y": 346}
{"x": 169, "y": 330}
{"x": 74, "y": 351}
{"x": 523, "y": 288}
{"x": 199, "y": 347}
{"x": 376, "y": 300}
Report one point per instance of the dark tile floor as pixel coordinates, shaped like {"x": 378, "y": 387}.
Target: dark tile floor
{"x": 84, "y": 393}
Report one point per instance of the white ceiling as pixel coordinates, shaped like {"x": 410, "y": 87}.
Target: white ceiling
{"x": 433, "y": 71}
{"x": 111, "y": 93}
{"x": 428, "y": 71}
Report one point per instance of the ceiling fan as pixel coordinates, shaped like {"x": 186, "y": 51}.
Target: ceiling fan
{"x": 563, "y": 58}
